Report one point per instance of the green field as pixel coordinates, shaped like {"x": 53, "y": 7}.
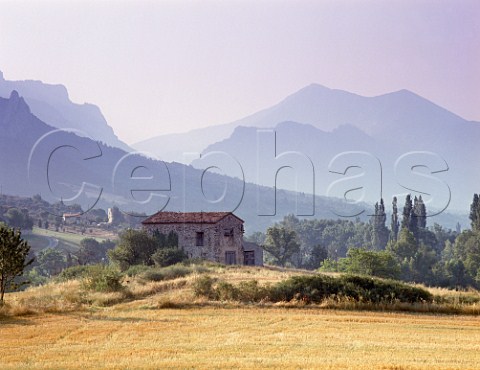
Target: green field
{"x": 37, "y": 242}
{"x": 67, "y": 241}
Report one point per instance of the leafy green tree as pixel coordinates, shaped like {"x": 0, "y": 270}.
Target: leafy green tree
{"x": 165, "y": 241}
{"x": 99, "y": 215}
{"x": 90, "y": 252}
{"x": 467, "y": 250}
{"x": 448, "y": 250}
{"x": 101, "y": 278}
{"x": 405, "y": 247}
{"x": 50, "y": 262}
{"x": 281, "y": 243}
{"x": 444, "y": 238}
{"x": 135, "y": 247}
{"x": 168, "y": 256}
{"x": 14, "y": 218}
{"x": 257, "y": 238}
{"x": 13, "y": 258}
{"x": 315, "y": 236}
{"x": 372, "y": 263}
{"x": 58, "y": 222}
{"x": 318, "y": 254}
{"x": 330, "y": 265}
{"x": 456, "y": 273}
{"x": 18, "y": 219}
{"x": 422, "y": 264}
{"x": 168, "y": 253}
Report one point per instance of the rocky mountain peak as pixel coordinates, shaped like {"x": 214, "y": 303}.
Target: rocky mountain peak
{"x": 14, "y": 95}
{"x": 17, "y": 103}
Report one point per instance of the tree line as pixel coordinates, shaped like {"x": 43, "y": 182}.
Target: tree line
{"x": 405, "y": 249}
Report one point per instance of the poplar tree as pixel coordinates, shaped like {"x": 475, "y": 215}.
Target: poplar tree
{"x": 395, "y": 223}
{"x": 380, "y": 231}
{"x": 475, "y": 213}
{"x": 407, "y": 213}
{"x": 420, "y": 213}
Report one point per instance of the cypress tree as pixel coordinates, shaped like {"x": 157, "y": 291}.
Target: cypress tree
{"x": 380, "y": 231}
{"x": 475, "y": 213}
{"x": 395, "y": 224}
{"x": 421, "y": 213}
{"x": 407, "y": 213}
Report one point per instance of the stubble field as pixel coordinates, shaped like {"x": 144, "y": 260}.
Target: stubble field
{"x": 163, "y": 325}
{"x": 239, "y": 337}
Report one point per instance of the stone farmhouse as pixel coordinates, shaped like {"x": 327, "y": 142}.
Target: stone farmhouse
{"x": 213, "y": 236}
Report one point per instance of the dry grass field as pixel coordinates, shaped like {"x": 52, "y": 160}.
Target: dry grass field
{"x": 162, "y": 325}
{"x": 146, "y": 337}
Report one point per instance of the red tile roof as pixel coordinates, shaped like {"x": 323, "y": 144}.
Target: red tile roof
{"x": 187, "y": 218}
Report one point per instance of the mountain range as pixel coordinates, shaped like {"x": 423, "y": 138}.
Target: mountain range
{"x": 52, "y": 104}
{"x": 326, "y": 142}
{"x": 323, "y": 123}
{"x": 36, "y": 158}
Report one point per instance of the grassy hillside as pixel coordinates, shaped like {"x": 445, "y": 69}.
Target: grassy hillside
{"x": 155, "y": 320}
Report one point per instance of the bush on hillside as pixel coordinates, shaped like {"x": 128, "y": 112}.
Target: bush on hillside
{"x": 169, "y": 256}
{"x": 100, "y": 278}
{"x": 73, "y": 273}
{"x": 359, "y": 288}
{"x": 166, "y": 273}
{"x": 136, "y": 270}
{"x": 314, "y": 288}
{"x": 203, "y": 287}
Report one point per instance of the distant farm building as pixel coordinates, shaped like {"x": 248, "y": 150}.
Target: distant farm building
{"x": 72, "y": 218}
{"x": 213, "y": 236}
{"x": 78, "y": 218}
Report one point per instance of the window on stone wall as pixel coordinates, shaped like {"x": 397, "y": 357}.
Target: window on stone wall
{"x": 199, "y": 239}
{"x": 228, "y": 232}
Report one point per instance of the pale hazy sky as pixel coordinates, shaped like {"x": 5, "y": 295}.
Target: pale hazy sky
{"x": 160, "y": 67}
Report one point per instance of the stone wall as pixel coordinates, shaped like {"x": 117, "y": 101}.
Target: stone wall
{"x": 231, "y": 238}
{"x": 248, "y": 246}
